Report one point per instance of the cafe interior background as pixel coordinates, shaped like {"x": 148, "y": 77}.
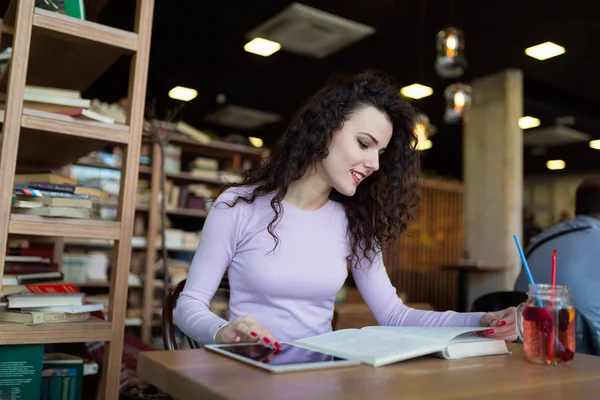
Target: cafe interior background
{"x": 507, "y": 94}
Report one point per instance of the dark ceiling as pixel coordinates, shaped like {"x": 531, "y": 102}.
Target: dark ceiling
{"x": 199, "y": 44}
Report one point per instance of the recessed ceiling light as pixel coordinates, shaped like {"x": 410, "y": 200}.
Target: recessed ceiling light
{"x": 416, "y": 91}
{"x": 262, "y": 47}
{"x": 528, "y": 122}
{"x": 545, "y": 51}
{"x": 555, "y": 164}
{"x": 182, "y": 93}
{"x": 595, "y": 144}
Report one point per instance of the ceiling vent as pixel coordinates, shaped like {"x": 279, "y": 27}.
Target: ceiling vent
{"x": 240, "y": 117}
{"x": 310, "y": 32}
{"x": 556, "y": 135}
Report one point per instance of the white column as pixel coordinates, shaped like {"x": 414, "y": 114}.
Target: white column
{"x": 493, "y": 179}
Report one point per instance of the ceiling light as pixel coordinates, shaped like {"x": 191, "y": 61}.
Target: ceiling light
{"x": 545, "y": 51}
{"x": 555, "y": 164}
{"x": 458, "y": 99}
{"x": 416, "y": 91}
{"x": 182, "y": 93}
{"x": 528, "y": 122}
{"x": 595, "y": 144}
{"x": 450, "y": 46}
{"x": 256, "y": 142}
{"x": 262, "y": 47}
{"x": 423, "y": 130}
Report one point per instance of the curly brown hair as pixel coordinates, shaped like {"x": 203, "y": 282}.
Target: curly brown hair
{"x": 383, "y": 204}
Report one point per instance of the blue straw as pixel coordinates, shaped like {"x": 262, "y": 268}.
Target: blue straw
{"x": 527, "y": 270}
{"x": 539, "y": 301}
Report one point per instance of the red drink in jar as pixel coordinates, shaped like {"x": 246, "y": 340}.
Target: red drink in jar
{"x": 546, "y": 323}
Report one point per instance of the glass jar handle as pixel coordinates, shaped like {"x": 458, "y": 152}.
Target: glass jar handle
{"x": 519, "y": 321}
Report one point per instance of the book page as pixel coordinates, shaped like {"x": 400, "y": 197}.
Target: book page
{"x": 368, "y": 346}
{"x": 469, "y": 338}
{"x": 440, "y": 335}
{"x": 380, "y": 345}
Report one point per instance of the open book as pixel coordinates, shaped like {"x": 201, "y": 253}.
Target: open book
{"x": 382, "y": 345}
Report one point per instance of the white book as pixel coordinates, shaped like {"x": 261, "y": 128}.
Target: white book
{"x": 72, "y": 309}
{"x": 37, "y": 300}
{"x": 382, "y": 345}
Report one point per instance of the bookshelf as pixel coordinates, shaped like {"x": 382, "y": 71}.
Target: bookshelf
{"x": 50, "y": 49}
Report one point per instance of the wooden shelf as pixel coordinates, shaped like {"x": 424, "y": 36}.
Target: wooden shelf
{"x": 146, "y": 170}
{"x": 57, "y": 59}
{"x": 189, "y": 212}
{"x": 53, "y": 50}
{"x": 66, "y": 125}
{"x": 213, "y": 149}
{"x": 63, "y": 227}
{"x": 51, "y": 141}
{"x": 188, "y": 177}
{"x": 87, "y": 162}
{"x": 71, "y": 29}
{"x": 106, "y": 284}
{"x": 93, "y": 330}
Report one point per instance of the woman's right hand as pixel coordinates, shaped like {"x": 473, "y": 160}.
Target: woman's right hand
{"x": 245, "y": 329}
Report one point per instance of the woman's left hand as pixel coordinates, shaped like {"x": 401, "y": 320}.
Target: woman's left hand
{"x": 502, "y": 324}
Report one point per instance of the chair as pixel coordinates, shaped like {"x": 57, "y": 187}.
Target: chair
{"x": 587, "y": 340}
{"x": 168, "y": 327}
{"x": 497, "y": 301}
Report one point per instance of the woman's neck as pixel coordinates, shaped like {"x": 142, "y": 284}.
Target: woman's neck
{"x": 310, "y": 192}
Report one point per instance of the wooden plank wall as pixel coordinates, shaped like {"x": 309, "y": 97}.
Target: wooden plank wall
{"x": 433, "y": 239}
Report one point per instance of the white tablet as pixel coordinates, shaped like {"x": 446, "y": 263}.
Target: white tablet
{"x": 288, "y": 358}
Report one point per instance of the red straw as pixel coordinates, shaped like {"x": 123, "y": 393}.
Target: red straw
{"x": 553, "y": 273}
{"x": 551, "y": 333}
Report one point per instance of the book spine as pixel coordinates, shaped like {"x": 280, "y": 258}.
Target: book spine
{"x": 21, "y": 367}
{"x": 25, "y": 280}
{"x": 75, "y": 9}
{"x": 29, "y": 268}
{"x": 53, "y": 187}
{"x": 48, "y": 193}
{"x": 42, "y": 317}
{"x": 29, "y": 252}
{"x": 52, "y": 288}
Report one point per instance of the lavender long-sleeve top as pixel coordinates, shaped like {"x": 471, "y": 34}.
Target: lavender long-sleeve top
{"x": 291, "y": 289}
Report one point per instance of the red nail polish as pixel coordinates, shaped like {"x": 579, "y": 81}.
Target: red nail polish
{"x": 489, "y": 331}
{"x": 277, "y": 345}
{"x": 266, "y": 340}
{"x": 254, "y": 334}
{"x": 265, "y": 361}
{"x": 501, "y": 323}
{"x": 276, "y": 352}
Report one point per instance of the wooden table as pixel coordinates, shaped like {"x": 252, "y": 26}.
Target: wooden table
{"x": 200, "y": 375}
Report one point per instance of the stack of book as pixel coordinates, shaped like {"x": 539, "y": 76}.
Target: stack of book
{"x": 68, "y": 103}
{"x": 28, "y": 266}
{"x": 46, "y": 304}
{"x": 52, "y": 195}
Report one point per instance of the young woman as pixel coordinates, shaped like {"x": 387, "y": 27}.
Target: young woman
{"x": 341, "y": 181}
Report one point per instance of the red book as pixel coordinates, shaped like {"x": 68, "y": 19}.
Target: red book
{"x": 52, "y": 288}
{"x": 84, "y": 112}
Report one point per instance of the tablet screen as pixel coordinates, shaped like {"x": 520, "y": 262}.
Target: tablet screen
{"x": 287, "y": 355}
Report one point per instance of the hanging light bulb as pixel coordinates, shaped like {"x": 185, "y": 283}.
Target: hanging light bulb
{"x": 450, "y": 45}
{"x": 458, "y": 99}
{"x": 423, "y": 131}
